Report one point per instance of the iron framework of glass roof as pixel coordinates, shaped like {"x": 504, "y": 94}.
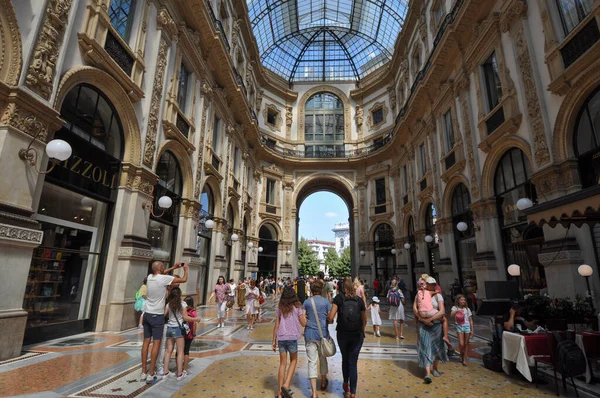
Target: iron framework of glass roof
{"x": 326, "y": 40}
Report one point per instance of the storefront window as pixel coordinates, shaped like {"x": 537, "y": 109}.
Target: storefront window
{"x": 384, "y": 243}
{"x": 587, "y": 141}
{"x": 73, "y": 211}
{"x": 522, "y": 243}
{"x": 63, "y": 269}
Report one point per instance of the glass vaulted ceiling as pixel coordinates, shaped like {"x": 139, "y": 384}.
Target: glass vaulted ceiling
{"x": 326, "y": 40}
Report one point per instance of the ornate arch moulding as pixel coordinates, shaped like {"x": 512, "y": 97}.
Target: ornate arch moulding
{"x": 11, "y": 51}
{"x": 183, "y": 157}
{"x": 115, "y": 93}
{"x": 97, "y": 31}
{"x": 493, "y": 157}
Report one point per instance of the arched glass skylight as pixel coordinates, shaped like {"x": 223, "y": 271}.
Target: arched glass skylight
{"x": 326, "y": 40}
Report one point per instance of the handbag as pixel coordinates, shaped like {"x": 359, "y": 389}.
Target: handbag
{"x": 261, "y": 299}
{"x": 327, "y": 345}
{"x": 185, "y": 328}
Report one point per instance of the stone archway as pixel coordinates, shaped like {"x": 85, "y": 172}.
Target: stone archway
{"x": 119, "y": 98}
{"x": 328, "y": 182}
{"x": 10, "y": 45}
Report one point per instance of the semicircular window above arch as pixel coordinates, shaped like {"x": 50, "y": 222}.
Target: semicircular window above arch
{"x": 586, "y": 140}
{"x": 326, "y": 40}
{"x": 324, "y": 126}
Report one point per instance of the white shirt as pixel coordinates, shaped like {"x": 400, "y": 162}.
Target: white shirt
{"x": 232, "y": 291}
{"x": 157, "y": 290}
{"x": 172, "y": 320}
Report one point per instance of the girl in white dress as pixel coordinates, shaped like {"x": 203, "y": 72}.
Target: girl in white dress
{"x": 252, "y": 295}
{"x": 375, "y": 318}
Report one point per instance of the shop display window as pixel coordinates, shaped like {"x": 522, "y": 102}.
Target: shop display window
{"x": 61, "y": 279}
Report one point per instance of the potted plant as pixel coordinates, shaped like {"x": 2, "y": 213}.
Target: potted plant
{"x": 583, "y": 312}
{"x": 561, "y": 311}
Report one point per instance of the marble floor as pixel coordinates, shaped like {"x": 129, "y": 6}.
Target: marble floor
{"x": 235, "y": 362}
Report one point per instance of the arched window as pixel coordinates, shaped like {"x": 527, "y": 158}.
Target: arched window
{"x": 324, "y": 126}
{"x": 587, "y": 140}
{"x": 512, "y": 182}
{"x": 92, "y": 117}
{"x": 207, "y": 200}
{"x": 460, "y": 200}
{"x": 169, "y": 173}
{"x": 162, "y": 231}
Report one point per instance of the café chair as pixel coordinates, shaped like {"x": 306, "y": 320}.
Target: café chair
{"x": 548, "y": 360}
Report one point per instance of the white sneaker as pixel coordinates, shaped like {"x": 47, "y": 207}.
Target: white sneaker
{"x": 143, "y": 377}
{"x": 164, "y": 375}
{"x": 218, "y": 325}
{"x": 181, "y": 376}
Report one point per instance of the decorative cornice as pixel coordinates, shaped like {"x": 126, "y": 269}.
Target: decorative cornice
{"x": 135, "y": 253}
{"x": 165, "y": 22}
{"x": 513, "y": 10}
{"x": 20, "y": 236}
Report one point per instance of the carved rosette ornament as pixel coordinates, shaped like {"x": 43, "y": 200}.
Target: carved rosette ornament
{"x": 40, "y": 74}
{"x": 463, "y": 86}
{"x": 199, "y": 163}
{"x": 534, "y": 110}
{"x": 154, "y": 115}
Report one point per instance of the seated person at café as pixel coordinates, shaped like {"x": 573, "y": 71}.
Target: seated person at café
{"x": 514, "y": 320}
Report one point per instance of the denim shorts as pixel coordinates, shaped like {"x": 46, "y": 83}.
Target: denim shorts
{"x": 466, "y": 328}
{"x": 173, "y": 332}
{"x": 290, "y": 346}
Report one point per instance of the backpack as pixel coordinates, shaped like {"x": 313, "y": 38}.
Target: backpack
{"x": 570, "y": 360}
{"x": 351, "y": 319}
{"x": 393, "y": 298}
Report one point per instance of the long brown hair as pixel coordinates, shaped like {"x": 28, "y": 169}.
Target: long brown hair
{"x": 289, "y": 299}
{"x": 348, "y": 287}
{"x": 174, "y": 301}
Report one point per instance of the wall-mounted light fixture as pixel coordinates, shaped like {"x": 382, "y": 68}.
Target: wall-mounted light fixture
{"x": 164, "y": 202}
{"x": 430, "y": 239}
{"x": 362, "y": 253}
{"x": 57, "y": 150}
{"x": 288, "y": 252}
{"x": 209, "y": 224}
{"x": 463, "y": 227}
{"x": 250, "y": 245}
{"x": 407, "y": 246}
{"x": 260, "y": 249}
{"x": 524, "y": 203}
{"x": 394, "y": 251}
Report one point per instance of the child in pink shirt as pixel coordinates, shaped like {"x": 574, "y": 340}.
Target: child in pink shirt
{"x": 424, "y": 302}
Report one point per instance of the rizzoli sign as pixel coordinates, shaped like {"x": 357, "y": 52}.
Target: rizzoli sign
{"x": 89, "y": 170}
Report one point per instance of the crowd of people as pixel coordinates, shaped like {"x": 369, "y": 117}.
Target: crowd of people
{"x": 310, "y": 303}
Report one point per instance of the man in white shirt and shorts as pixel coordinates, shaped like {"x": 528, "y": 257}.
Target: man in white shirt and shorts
{"x": 154, "y": 316}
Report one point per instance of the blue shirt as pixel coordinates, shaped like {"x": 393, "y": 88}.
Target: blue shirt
{"x": 311, "y": 331}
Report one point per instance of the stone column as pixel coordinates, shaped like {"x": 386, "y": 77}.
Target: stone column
{"x": 489, "y": 263}
{"x": 447, "y": 268}
{"x": 128, "y": 257}
{"x": 252, "y": 257}
{"x": 186, "y": 244}
{"x": 24, "y": 119}
{"x": 217, "y": 254}
{"x": 561, "y": 256}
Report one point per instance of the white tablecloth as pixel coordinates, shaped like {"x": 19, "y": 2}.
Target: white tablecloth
{"x": 514, "y": 350}
{"x": 588, "y": 371}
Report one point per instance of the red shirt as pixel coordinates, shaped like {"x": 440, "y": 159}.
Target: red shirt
{"x": 376, "y": 284}
{"x": 438, "y": 289}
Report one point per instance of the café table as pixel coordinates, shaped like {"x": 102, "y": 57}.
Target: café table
{"x": 521, "y": 350}
{"x": 515, "y": 349}
{"x": 589, "y": 342}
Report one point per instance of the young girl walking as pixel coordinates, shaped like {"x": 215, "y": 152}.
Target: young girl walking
{"x": 289, "y": 318}
{"x": 191, "y": 312}
{"x": 177, "y": 313}
{"x": 463, "y": 319}
{"x": 375, "y": 318}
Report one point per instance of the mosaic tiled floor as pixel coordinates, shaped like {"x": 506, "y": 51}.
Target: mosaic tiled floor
{"x": 236, "y": 362}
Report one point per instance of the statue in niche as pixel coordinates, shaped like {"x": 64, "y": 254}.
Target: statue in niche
{"x": 359, "y": 116}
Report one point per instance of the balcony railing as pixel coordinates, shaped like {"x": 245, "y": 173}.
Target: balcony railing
{"x": 580, "y": 43}
{"x": 448, "y": 20}
{"x": 326, "y": 153}
{"x": 218, "y": 25}
{"x": 118, "y": 53}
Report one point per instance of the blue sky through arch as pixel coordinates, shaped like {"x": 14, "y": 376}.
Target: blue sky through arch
{"x": 319, "y": 213}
